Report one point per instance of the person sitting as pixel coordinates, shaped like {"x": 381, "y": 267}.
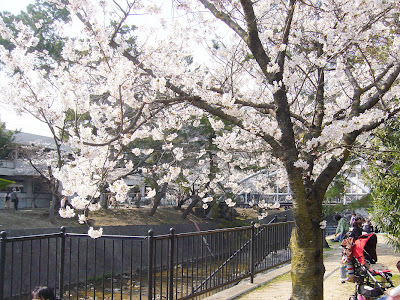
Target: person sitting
{"x": 43, "y": 293}
{"x": 341, "y": 228}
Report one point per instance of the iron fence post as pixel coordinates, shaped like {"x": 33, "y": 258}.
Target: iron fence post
{"x": 3, "y": 241}
{"x": 171, "y": 264}
{"x": 252, "y": 248}
{"x": 62, "y": 263}
{"x": 150, "y": 264}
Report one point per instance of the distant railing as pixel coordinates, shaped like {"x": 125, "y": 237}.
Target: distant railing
{"x": 172, "y": 266}
{"x": 8, "y": 164}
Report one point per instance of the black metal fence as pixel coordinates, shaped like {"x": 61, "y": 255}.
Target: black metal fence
{"x": 172, "y": 266}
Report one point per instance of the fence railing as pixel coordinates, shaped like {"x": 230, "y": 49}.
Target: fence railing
{"x": 172, "y": 266}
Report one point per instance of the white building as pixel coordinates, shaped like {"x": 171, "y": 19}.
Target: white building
{"x": 33, "y": 190}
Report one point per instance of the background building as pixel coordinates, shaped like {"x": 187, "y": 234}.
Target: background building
{"x": 33, "y": 190}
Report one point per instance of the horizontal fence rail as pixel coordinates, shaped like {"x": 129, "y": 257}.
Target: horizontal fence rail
{"x": 172, "y": 266}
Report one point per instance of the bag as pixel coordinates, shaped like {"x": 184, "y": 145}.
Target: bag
{"x": 14, "y": 197}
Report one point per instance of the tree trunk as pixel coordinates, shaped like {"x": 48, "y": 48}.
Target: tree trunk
{"x": 55, "y": 199}
{"x": 307, "y": 248}
{"x": 52, "y": 204}
{"x": 51, "y": 210}
{"x": 307, "y": 267}
{"x": 103, "y": 201}
{"x": 157, "y": 199}
{"x": 181, "y": 202}
{"x": 188, "y": 210}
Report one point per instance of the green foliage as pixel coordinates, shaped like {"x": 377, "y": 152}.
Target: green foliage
{"x": 6, "y": 141}
{"x": 365, "y": 202}
{"x": 129, "y": 38}
{"x": 215, "y": 44}
{"x": 335, "y": 191}
{"x": 383, "y": 176}
{"x": 4, "y": 183}
{"x": 41, "y": 17}
{"x": 330, "y": 210}
{"x": 223, "y": 223}
{"x": 215, "y": 210}
{"x": 74, "y": 120}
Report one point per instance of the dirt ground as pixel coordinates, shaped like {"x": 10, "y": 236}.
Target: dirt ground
{"x": 280, "y": 288}
{"x": 39, "y": 218}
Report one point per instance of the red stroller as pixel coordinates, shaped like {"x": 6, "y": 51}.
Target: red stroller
{"x": 369, "y": 283}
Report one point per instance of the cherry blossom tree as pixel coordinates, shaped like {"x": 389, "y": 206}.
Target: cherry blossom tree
{"x": 290, "y": 86}
{"x": 39, "y": 19}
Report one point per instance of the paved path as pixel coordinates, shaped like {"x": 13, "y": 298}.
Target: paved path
{"x": 265, "y": 289}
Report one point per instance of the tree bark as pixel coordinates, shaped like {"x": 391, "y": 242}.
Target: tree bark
{"x": 181, "y": 202}
{"x": 306, "y": 243}
{"x": 51, "y": 210}
{"x": 307, "y": 265}
{"x": 188, "y": 210}
{"x": 54, "y": 196}
{"x": 157, "y": 199}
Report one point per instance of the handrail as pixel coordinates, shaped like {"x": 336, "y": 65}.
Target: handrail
{"x": 32, "y": 237}
{"x": 157, "y": 265}
{"x": 195, "y": 233}
{"x": 231, "y": 257}
{"x": 139, "y": 237}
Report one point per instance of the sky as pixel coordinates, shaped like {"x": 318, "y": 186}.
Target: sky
{"x": 14, "y": 6}
{"x": 25, "y": 123}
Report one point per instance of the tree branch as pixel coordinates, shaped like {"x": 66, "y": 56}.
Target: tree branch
{"x": 328, "y": 174}
{"x": 285, "y": 37}
{"x": 199, "y": 103}
{"x": 253, "y": 40}
{"x": 122, "y": 21}
{"x": 320, "y": 96}
{"x": 386, "y": 85}
{"x": 377, "y": 79}
{"x": 226, "y": 19}
{"x": 130, "y": 129}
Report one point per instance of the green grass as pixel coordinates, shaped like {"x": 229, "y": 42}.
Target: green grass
{"x": 332, "y": 245}
{"x": 396, "y": 279}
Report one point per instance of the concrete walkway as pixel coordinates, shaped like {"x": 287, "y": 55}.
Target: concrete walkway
{"x": 267, "y": 286}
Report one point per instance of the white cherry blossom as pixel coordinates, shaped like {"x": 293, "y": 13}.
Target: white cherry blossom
{"x": 67, "y": 212}
{"x": 95, "y": 233}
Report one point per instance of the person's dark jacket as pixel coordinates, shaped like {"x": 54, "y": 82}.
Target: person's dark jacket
{"x": 356, "y": 232}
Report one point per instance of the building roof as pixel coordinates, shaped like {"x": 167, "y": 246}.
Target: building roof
{"x": 20, "y": 167}
{"x": 30, "y": 139}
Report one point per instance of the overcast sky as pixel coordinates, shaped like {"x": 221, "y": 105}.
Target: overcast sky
{"x": 14, "y": 6}
{"x": 26, "y": 123}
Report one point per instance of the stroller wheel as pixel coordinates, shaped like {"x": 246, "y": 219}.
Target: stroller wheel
{"x": 353, "y": 297}
{"x": 368, "y": 291}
